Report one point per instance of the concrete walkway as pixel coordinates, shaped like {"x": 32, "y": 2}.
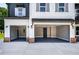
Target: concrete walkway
{"x": 24, "y": 48}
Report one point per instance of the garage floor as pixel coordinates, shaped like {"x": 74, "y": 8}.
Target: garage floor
{"x": 52, "y": 40}
{"x": 17, "y": 40}
{"x": 42, "y": 40}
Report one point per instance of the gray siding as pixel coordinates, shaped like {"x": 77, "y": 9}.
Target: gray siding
{"x": 11, "y": 9}
{"x": 27, "y": 9}
{"x": 66, "y": 7}
{"x": 37, "y": 7}
{"x": 48, "y": 8}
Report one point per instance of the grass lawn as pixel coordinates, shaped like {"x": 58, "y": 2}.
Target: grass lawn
{"x": 1, "y": 36}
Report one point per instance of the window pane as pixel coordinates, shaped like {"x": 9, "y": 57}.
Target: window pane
{"x": 77, "y": 11}
{"x": 42, "y": 4}
{"x": 20, "y": 14}
{"x": 61, "y": 4}
{"x": 20, "y": 9}
{"x": 61, "y": 9}
{"x": 77, "y": 30}
{"x": 42, "y": 9}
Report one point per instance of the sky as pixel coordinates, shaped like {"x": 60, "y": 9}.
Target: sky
{"x": 3, "y": 5}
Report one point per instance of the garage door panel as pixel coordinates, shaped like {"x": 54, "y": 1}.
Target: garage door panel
{"x": 63, "y": 32}
{"x": 53, "y": 31}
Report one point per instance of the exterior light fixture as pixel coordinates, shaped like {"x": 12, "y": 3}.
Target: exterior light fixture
{"x": 6, "y": 26}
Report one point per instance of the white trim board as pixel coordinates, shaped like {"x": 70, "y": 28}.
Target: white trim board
{"x": 51, "y": 23}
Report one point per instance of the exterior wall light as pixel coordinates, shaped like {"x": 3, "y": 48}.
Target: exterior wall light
{"x": 31, "y": 26}
{"x": 6, "y": 26}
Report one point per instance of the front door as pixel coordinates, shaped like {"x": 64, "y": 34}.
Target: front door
{"x": 17, "y": 33}
{"x": 44, "y": 32}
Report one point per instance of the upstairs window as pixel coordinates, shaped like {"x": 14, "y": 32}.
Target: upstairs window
{"x": 61, "y": 7}
{"x": 20, "y": 11}
{"x": 42, "y": 7}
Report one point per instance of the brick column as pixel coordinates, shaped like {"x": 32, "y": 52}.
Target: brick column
{"x": 7, "y": 33}
{"x": 6, "y": 39}
{"x": 73, "y": 40}
{"x": 72, "y": 34}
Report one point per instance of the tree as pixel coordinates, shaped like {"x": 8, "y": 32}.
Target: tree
{"x": 3, "y": 13}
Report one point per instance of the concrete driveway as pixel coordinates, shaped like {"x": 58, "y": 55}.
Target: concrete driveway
{"x": 24, "y": 48}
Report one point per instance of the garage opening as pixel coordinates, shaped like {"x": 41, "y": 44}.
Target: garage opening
{"x": 52, "y": 33}
{"x": 18, "y": 33}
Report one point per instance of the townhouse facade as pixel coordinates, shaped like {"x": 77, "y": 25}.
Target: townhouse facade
{"x": 46, "y": 20}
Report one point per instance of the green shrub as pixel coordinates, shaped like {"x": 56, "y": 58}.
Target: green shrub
{"x": 1, "y": 36}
